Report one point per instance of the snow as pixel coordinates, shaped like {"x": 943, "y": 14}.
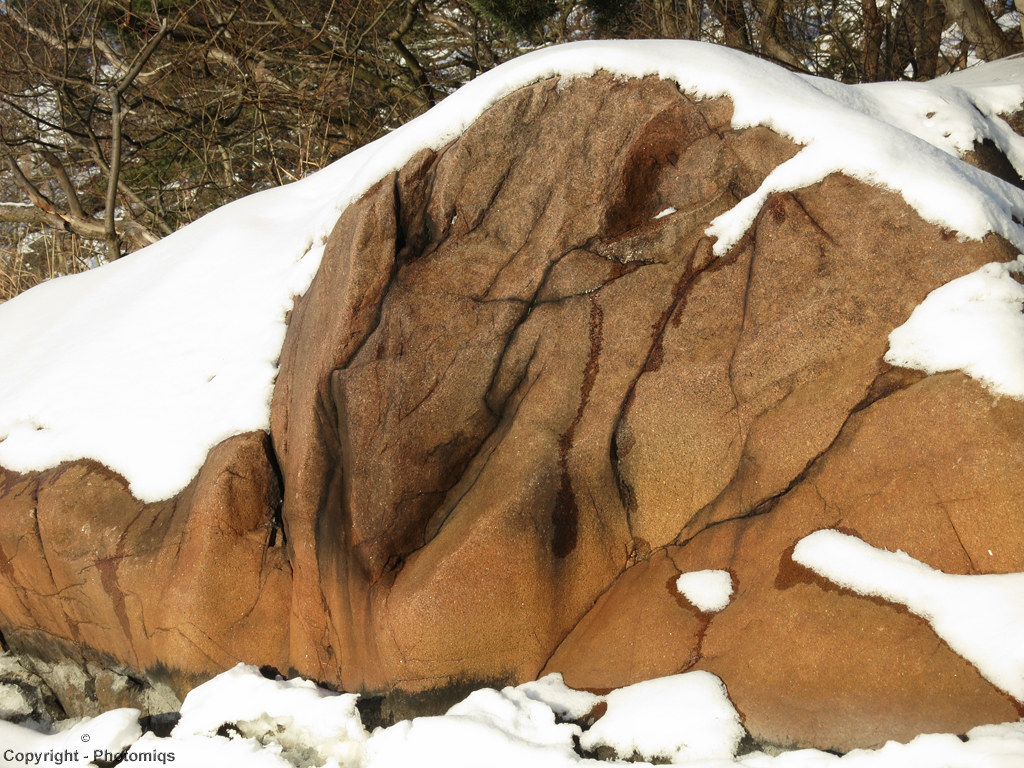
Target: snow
{"x": 72, "y": 742}
{"x": 208, "y": 752}
{"x": 709, "y": 591}
{"x": 296, "y": 715}
{"x": 989, "y": 746}
{"x": 981, "y": 617}
{"x": 502, "y": 729}
{"x": 565, "y": 702}
{"x": 686, "y": 719}
{"x": 13, "y": 702}
{"x": 973, "y": 324}
{"x": 681, "y": 718}
{"x": 147, "y": 363}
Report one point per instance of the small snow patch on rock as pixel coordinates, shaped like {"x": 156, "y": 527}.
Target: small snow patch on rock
{"x": 709, "y": 591}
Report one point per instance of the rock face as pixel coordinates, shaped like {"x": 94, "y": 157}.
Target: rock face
{"x": 114, "y": 589}
{"x": 517, "y": 403}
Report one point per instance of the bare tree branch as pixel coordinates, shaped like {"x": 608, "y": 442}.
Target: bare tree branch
{"x": 110, "y": 230}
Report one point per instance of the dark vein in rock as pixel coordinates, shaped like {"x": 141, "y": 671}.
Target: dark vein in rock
{"x": 768, "y": 504}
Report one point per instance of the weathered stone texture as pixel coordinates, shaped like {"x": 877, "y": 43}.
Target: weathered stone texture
{"x": 516, "y": 404}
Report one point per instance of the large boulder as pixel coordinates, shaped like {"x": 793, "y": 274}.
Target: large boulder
{"x": 521, "y": 397}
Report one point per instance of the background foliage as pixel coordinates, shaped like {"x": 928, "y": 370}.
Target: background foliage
{"x": 122, "y": 120}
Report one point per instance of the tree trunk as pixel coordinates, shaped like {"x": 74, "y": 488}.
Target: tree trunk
{"x": 734, "y": 23}
{"x": 668, "y": 23}
{"x": 929, "y": 39}
{"x": 768, "y": 35}
{"x": 980, "y": 28}
{"x": 873, "y": 32}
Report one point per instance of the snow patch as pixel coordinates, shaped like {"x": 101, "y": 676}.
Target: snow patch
{"x": 680, "y": 718}
{"x": 212, "y": 752}
{"x": 499, "y": 729}
{"x": 565, "y": 702}
{"x": 973, "y": 324}
{"x": 302, "y": 721}
{"x": 112, "y": 732}
{"x": 14, "y": 704}
{"x": 980, "y": 617}
{"x": 686, "y": 719}
{"x": 708, "y": 591}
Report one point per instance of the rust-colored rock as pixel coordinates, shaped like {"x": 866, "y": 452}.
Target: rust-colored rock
{"x": 515, "y": 405}
{"x": 118, "y": 590}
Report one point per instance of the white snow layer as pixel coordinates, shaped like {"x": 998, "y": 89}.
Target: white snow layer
{"x": 296, "y": 714}
{"x": 709, "y": 591}
{"x": 980, "y": 617}
{"x": 110, "y": 733}
{"x": 686, "y": 719}
{"x": 502, "y": 729}
{"x": 147, "y": 363}
{"x": 566, "y": 703}
{"x": 681, "y": 718}
{"x": 973, "y": 324}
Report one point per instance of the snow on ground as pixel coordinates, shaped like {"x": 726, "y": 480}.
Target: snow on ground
{"x": 295, "y": 714}
{"x": 565, "y": 702}
{"x": 500, "y": 729}
{"x": 71, "y": 742}
{"x": 14, "y": 704}
{"x": 973, "y": 324}
{"x": 147, "y": 363}
{"x": 980, "y": 617}
{"x": 683, "y": 718}
{"x": 686, "y": 719}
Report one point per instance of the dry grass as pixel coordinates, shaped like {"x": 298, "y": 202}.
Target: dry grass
{"x": 14, "y": 276}
{"x": 54, "y": 254}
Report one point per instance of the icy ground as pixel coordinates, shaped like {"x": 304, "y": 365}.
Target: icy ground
{"x": 242, "y": 719}
{"x": 147, "y": 363}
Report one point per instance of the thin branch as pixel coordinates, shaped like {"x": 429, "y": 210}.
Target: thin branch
{"x": 411, "y": 8}
{"x": 39, "y": 200}
{"x": 74, "y": 204}
{"x": 110, "y": 230}
{"x": 43, "y": 211}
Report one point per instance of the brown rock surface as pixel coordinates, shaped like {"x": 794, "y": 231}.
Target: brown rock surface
{"x": 117, "y": 589}
{"x": 514, "y": 406}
